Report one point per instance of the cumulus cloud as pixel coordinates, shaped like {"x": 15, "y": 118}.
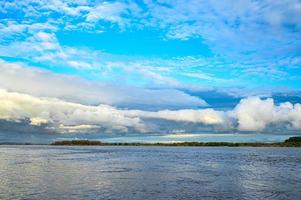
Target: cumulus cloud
{"x": 255, "y": 114}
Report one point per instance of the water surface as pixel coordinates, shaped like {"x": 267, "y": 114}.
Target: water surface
{"x": 54, "y": 172}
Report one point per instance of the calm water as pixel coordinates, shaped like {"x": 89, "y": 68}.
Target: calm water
{"x": 48, "y": 172}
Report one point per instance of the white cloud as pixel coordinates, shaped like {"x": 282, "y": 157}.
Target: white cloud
{"x": 204, "y": 116}
{"x": 111, "y": 12}
{"x": 208, "y": 77}
{"x": 43, "y": 83}
{"x": 37, "y": 121}
{"x": 247, "y": 32}
{"x": 72, "y": 8}
{"x": 255, "y": 114}
{"x": 42, "y": 46}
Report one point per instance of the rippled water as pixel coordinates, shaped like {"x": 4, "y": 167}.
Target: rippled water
{"x": 51, "y": 172}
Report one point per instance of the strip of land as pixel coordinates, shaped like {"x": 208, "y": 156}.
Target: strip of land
{"x": 291, "y": 142}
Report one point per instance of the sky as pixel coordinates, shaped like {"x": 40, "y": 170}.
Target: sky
{"x": 101, "y": 69}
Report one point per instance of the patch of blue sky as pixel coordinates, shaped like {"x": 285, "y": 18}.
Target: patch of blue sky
{"x": 143, "y": 43}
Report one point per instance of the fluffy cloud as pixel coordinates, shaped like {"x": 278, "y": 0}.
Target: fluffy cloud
{"x": 255, "y": 114}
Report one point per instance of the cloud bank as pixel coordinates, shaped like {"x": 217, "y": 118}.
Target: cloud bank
{"x": 54, "y": 115}
{"x": 42, "y": 83}
{"x": 68, "y": 104}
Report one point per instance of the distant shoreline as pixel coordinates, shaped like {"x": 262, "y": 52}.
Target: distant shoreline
{"x": 291, "y": 142}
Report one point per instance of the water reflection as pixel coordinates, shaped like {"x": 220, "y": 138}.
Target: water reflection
{"x": 46, "y": 172}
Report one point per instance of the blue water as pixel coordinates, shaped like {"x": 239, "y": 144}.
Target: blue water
{"x": 53, "y": 172}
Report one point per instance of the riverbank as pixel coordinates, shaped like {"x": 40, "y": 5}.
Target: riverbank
{"x": 291, "y": 142}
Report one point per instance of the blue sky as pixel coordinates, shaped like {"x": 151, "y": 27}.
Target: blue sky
{"x": 211, "y": 62}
